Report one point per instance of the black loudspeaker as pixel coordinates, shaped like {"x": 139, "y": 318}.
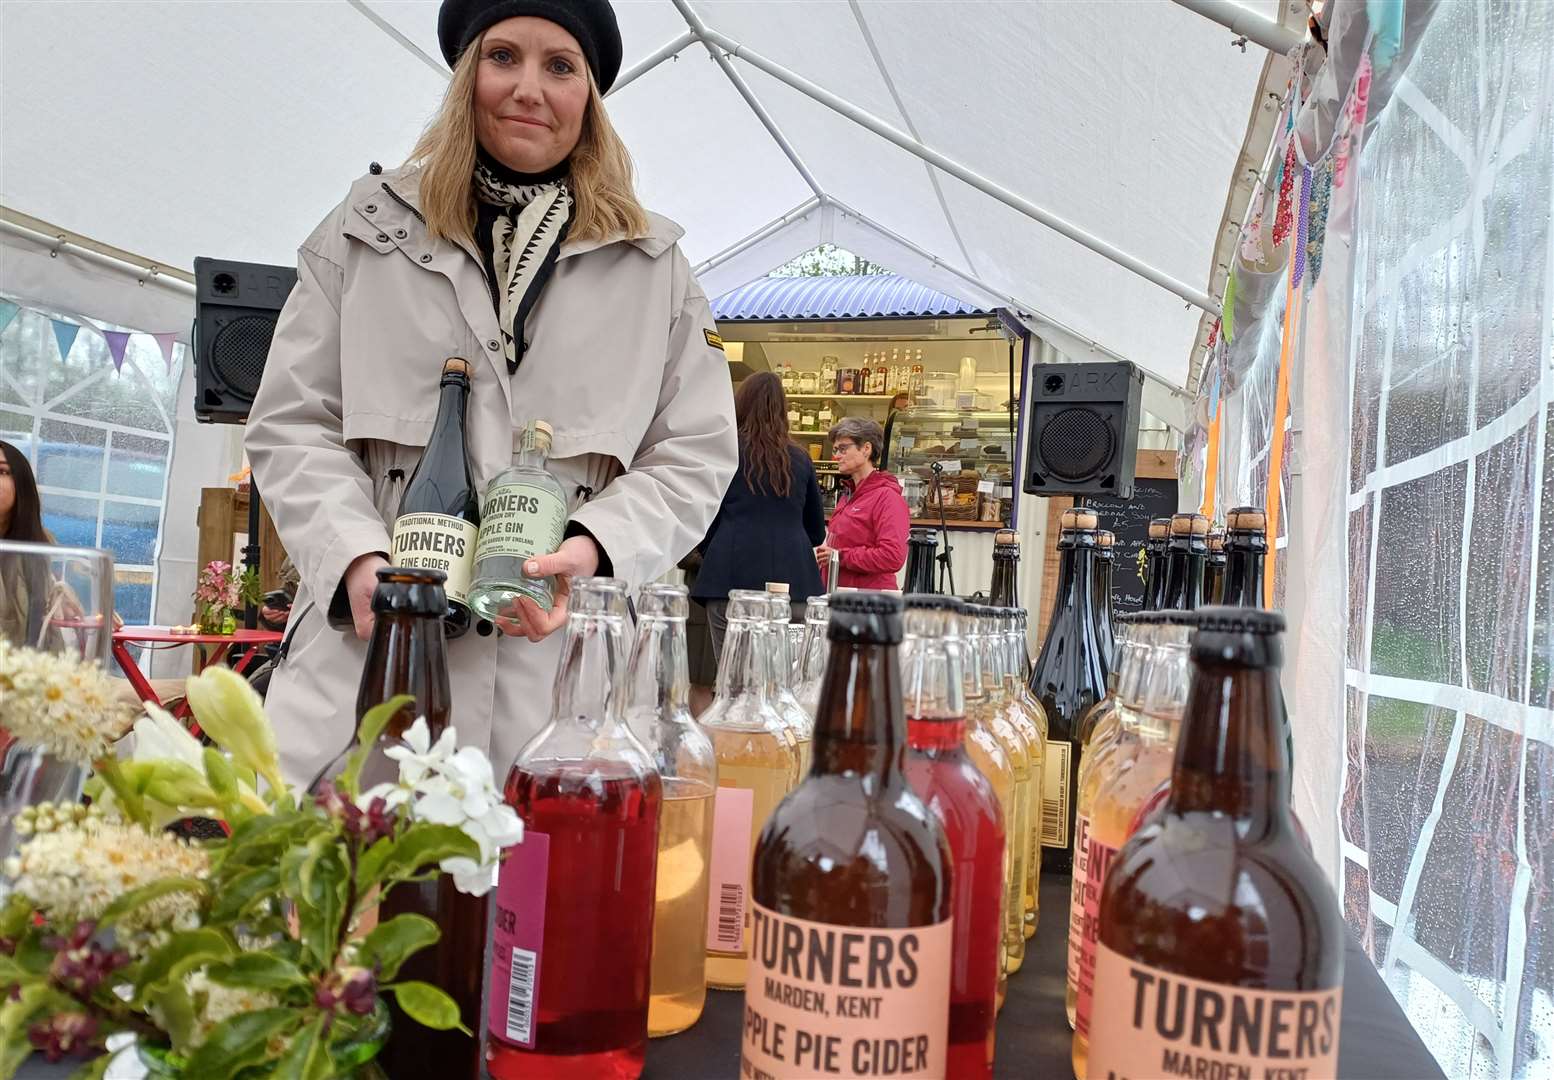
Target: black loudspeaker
{"x": 236, "y": 305}
{"x": 1084, "y": 429}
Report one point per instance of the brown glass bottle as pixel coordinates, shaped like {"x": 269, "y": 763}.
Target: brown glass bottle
{"x": 1185, "y": 554}
{"x": 1155, "y": 563}
{"x": 1067, "y": 679}
{"x": 1246, "y": 543}
{"x": 851, "y": 939}
{"x": 1004, "y": 590}
{"x": 1214, "y": 567}
{"x": 408, "y": 655}
{"x": 1221, "y": 942}
{"x": 1101, "y": 603}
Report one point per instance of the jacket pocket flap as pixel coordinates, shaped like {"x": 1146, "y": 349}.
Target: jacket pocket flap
{"x": 615, "y": 444}
{"x": 360, "y": 426}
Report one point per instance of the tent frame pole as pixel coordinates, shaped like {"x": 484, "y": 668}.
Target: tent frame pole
{"x": 867, "y": 120}
{"x": 1256, "y": 28}
{"x": 739, "y": 247}
{"x": 667, "y": 51}
{"x": 700, "y": 30}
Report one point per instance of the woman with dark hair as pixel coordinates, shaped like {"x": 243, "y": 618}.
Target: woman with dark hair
{"x": 771, "y": 517}
{"x": 27, "y": 589}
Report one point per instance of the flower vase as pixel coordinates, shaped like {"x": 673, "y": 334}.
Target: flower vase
{"x": 229, "y": 623}
{"x": 30, "y": 775}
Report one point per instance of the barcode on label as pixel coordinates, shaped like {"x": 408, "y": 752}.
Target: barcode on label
{"x": 1055, "y": 794}
{"x": 520, "y": 998}
{"x": 731, "y": 916}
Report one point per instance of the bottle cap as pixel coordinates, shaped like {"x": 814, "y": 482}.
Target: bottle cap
{"x": 933, "y": 602}
{"x": 1177, "y": 617}
{"x": 1239, "y": 620}
{"x": 1079, "y": 518}
{"x": 1217, "y": 540}
{"x": 456, "y": 365}
{"x": 1007, "y": 537}
{"x": 865, "y": 617}
{"x": 1104, "y": 539}
{"x": 1189, "y": 525}
{"x": 1159, "y": 528}
{"x": 1246, "y": 519}
{"x": 779, "y": 587}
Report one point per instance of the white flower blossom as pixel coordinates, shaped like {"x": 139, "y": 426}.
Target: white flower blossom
{"x": 159, "y": 736}
{"x": 60, "y": 703}
{"x": 445, "y": 784}
{"x": 75, "y": 871}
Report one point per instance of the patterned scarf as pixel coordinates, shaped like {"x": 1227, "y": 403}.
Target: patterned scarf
{"x": 527, "y": 224}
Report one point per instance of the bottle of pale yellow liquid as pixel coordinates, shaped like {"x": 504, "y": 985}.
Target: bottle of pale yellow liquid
{"x": 990, "y": 711}
{"x": 658, "y": 690}
{"x": 1031, "y": 722}
{"x": 794, "y": 716}
{"x": 1121, "y": 797}
{"x": 757, "y": 763}
{"x": 1135, "y": 636}
{"x": 987, "y": 754}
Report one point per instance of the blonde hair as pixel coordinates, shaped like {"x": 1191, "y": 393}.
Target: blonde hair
{"x": 604, "y": 197}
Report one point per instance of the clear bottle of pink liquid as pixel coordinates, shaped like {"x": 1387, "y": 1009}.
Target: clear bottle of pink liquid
{"x": 571, "y": 957}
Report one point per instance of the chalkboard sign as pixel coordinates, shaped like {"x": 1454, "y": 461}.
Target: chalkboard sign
{"x": 1128, "y": 520}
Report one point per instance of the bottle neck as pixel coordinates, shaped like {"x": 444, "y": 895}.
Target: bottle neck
{"x": 1231, "y": 756}
{"x": 1005, "y": 580}
{"x": 532, "y": 455}
{"x": 1243, "y": 577}
{"x": 658, "y": 683}
{"x": 1184, "y": 577}
{"x": 591, "y": 663}
{"x": 782, "y": 658}
{"x": 744, "y": 668}
{"x": 939, "y": 734}
{"x": 407, "y": 654}
{"x": 933, "y": 696}
{"x": 452, "y": 403}
{"x": 859, "y": 724}
{"x": 1071, "y": 635}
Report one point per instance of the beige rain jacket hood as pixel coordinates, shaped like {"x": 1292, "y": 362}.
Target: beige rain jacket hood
{"x": 623, "y": 361}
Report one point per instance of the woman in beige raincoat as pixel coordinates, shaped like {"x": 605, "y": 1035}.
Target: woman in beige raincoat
{"x": 512, "y": 238}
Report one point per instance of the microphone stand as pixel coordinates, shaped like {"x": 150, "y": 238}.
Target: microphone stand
{"x": 943, "y": 558}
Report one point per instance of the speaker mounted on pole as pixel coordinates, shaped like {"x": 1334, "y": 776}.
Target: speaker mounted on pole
{"x": 236, "y": 307}
{"x": 1084, "y": 429}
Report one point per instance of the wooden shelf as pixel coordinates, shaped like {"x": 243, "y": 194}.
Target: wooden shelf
{"x": 841, "y": 397}
{"x": 808, "y": 434}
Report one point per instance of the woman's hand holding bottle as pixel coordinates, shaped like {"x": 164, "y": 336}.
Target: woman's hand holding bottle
{"x": 578, "y": 556}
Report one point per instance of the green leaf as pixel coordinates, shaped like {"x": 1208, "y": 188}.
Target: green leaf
{"x": 391, "y": 943}
{"x": 174, "y": 1012}
{"x": 139, "y": 898}
{"x": 372, "y": 724}
{"x": 12, "y": 972}
{"x": 15, "y": 916}
{"x": 257, "y": 971}
{"x": 18, "y": 1014}
{"x": 261, "y": 840}
{"x": 424, "y": 846}
{"x": 428, "y": 1006}
{"x": 188, "y": 950}
{"x": 222, "y": 778}
{"x": 306, "y": 1056}
{"x": 237, "y": 896}
{"x": 97, "y": 1068}
{"x": 240, "y": 1041}
{"x": 321, "y": 904}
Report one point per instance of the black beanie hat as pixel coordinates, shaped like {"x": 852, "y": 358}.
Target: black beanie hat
{"x": 592, "y": 22}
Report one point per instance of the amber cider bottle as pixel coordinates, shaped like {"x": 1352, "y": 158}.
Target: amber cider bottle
{"x": 407, "y": 654}
{"x": 1221, "y": 942}
{"x": 852, "y": 933}
{"x": 1020, "y": 710}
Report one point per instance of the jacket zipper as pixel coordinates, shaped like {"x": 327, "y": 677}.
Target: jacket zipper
{"x": 491, "y": 289}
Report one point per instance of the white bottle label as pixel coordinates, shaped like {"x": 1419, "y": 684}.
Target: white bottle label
{"x": 436, "y": 542}
{"x": 518, "y": 521}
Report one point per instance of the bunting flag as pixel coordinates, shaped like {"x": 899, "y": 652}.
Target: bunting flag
{"x": 118, "y": 341}
{"x": 165, "y": 342}
{"x": 65, "y": 335}
{"x": 8, "y": 312}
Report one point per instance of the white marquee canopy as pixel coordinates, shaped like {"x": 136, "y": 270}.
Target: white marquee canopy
{"x": 176, "y": 129}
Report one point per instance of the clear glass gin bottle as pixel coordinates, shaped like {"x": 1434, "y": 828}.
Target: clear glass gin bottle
{"x": 523, "y": 514}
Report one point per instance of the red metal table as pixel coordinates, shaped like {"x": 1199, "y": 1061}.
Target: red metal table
{"x": 162, "y": 637}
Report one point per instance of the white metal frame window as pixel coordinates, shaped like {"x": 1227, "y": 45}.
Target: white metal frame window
{"x": 100, "y": 441}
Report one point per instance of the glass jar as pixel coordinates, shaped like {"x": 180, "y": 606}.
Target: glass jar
{"x": 828, "y": 366}
{"x": 808, "y": 419}
{"x": 807, "y": 382}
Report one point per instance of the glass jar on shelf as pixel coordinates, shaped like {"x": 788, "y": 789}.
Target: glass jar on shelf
{"x": 808, "y": 382}
{"x": 828, "y": 368}
{"x": 808, "y": 418}
{"x": 826, "y": 416}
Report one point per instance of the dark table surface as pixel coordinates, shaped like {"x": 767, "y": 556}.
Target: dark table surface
{"x": 1375, "y": 1042}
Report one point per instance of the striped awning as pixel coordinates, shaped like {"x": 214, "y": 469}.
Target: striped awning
{"x": 872, "y": 296}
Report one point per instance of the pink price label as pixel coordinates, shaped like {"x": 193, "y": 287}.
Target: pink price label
{"x": 729, "y": 875}
{"x": 514, "y": 989}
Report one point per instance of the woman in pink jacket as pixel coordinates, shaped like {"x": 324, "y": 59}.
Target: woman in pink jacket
{"x": 869, "y": 528}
